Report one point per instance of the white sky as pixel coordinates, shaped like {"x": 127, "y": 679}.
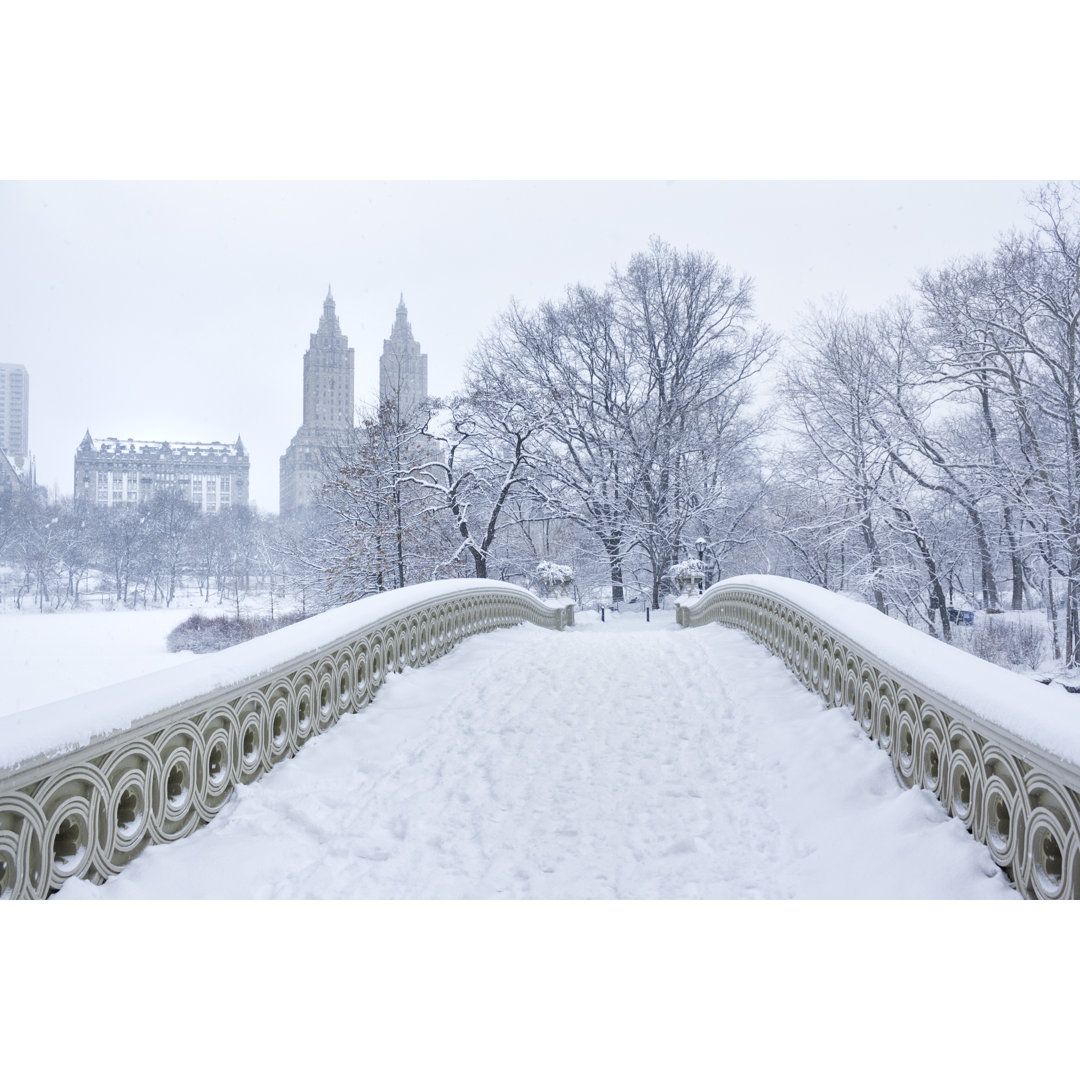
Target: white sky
{"x": 182, "y": 310}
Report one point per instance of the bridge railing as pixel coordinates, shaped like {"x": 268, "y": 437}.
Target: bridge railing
{"x": 1000, "y": 751}
{"x": 158, "y": 756}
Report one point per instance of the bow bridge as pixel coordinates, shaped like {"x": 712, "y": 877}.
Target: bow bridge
{"x": 88, "y": 784}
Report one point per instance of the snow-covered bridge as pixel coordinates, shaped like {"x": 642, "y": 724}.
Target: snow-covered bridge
{"x": 617, "y": 759}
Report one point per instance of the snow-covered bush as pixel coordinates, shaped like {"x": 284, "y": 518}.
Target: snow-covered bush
{"x": 201, "y": 634}
{"x": 1007, "y": 642}
{"x": 554, "y": 578}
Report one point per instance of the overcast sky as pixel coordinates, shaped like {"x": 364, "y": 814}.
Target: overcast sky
{"x": 182, "y": 311}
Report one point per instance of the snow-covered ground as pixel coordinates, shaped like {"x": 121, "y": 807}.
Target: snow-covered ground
{"x": 614, "y": 759}
{"x": 52, "y": 656}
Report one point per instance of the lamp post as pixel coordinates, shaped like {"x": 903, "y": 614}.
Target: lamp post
{"x": 701, "y": 559}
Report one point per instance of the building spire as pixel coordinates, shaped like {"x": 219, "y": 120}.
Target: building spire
{"x": 328, "y": 322}
{"x": 402, "y": 366}
{"x": 401, "y": 327}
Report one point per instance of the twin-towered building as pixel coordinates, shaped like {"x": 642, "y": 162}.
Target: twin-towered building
{"x": 329, "y": 408}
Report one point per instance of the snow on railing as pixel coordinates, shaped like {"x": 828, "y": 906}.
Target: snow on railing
{"x": 1000, "y": 751}
{"x": 87, "y": 783}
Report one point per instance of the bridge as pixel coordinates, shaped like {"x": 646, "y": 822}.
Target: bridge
{"x": 682, "y": 761}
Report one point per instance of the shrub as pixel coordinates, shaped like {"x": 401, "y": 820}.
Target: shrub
{"x": 200, "y": 634}
{"x": 1007, "y": 642}
{"x": 554, "y": 578}
{"x": 550, "y": 574}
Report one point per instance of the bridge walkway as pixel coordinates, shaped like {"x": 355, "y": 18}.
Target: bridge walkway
{"x": 613, "y": 760}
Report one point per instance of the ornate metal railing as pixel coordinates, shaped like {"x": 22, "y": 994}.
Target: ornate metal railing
{"x": 1013, "y": 791}
{"x": 157, "y": 773}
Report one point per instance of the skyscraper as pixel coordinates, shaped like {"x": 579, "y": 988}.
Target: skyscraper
{"x": 402, "y": 366}
{"x": 14, "y": 411}
{"x": 328, "y": 411}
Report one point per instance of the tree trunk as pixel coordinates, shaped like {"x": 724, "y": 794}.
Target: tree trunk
{"x": 1050, "y": 607}
{"x": 613, "y": 547}
{"x": 986, "y": 563}
{"x": 1072, "y": 616}
{"x": 1015, "y": 560}
{"x": 875, "y": 561}
{"x": 931, "y": 570}
{"x": 400, "y": 540}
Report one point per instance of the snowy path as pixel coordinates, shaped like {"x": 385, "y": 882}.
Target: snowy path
{"x": 608, "y": 761}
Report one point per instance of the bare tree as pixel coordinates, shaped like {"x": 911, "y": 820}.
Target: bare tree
{"x": 833, "y": 389}
{"x": 375, "y": 532}
{"x": 642, "y": 387}
{"x": 1010, "y": 327}
{"x": 478, "y": 461}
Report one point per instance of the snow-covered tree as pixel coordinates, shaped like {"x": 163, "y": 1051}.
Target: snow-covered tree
{"x": 643, "y": 392}
{"x": 474, "y": 461}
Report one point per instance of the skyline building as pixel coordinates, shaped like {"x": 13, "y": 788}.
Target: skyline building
{"x": 328, "y": 416}
{"x": 328, "y": 412}
{"x": 403, "y": 375}
{"x": 15, "y": 412}
{"x": 117, "y": 472}
{"x": 16, "y": 478}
